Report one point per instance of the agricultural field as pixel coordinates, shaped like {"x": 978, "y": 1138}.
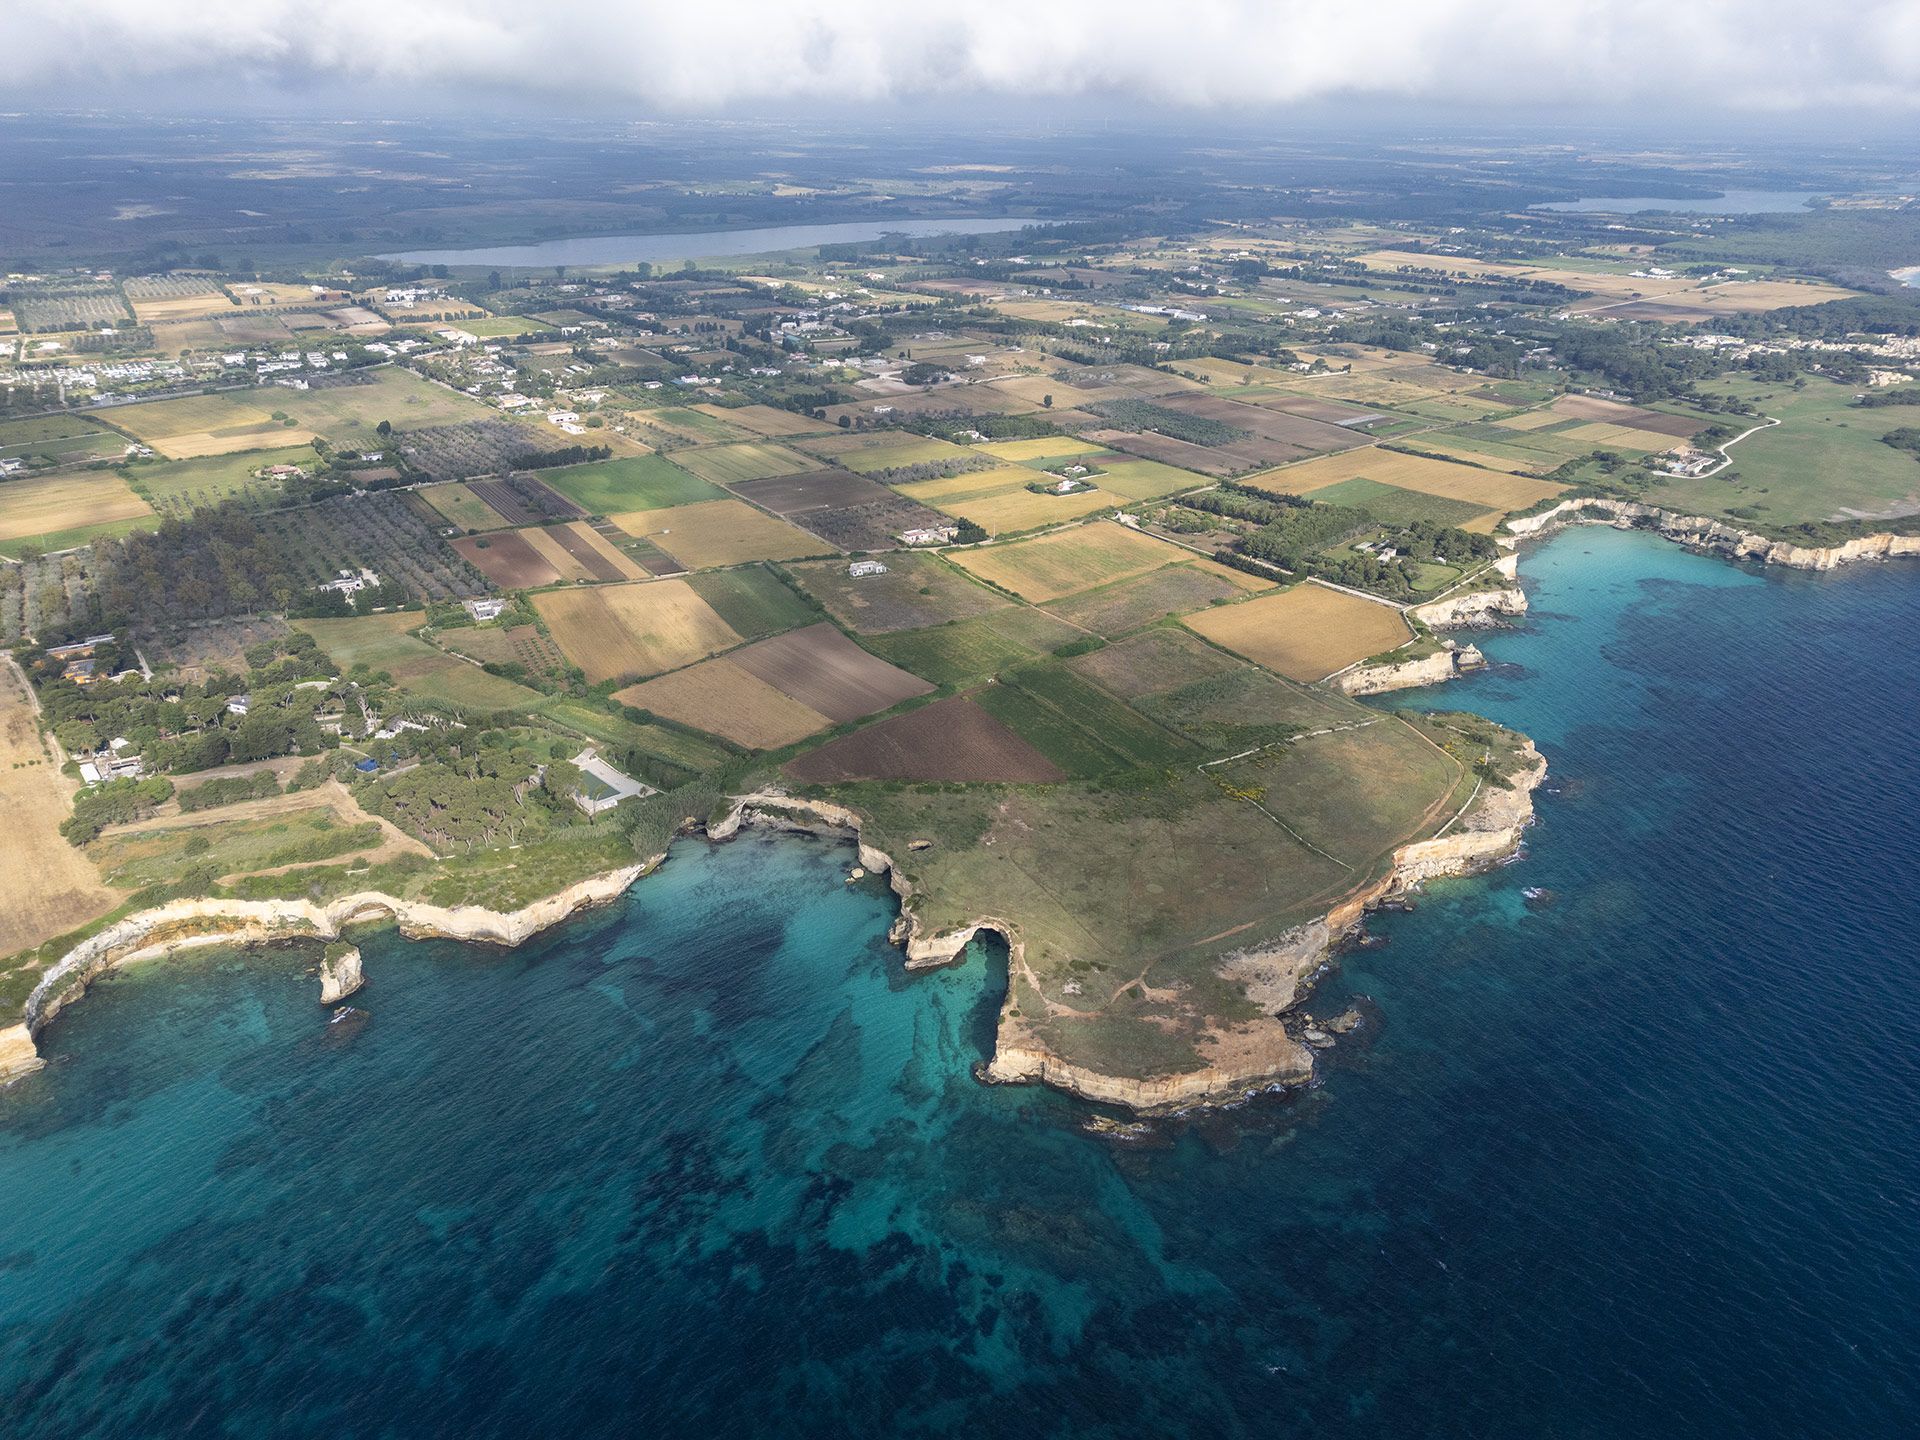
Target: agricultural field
{"x": 625, "y": 632}
{"x": 1305, "y": 633}
{"x": 753, "y": 460}
{"x": 843, "y": 509}
{"x": 885, "y": 451}
{"x": 457, "y": 502}
{"x": 683, "y": 425}
{"x": 753, "y": 601}
{"x": 218, "y": 424}
{"x": 676, "y": 747}
{"x": 828, "y": 673}
{"x": 1598, "y": 409}
{"x": 381, "y": 643}
{"x": 1078, "y": 726}
{"x": 952, "y": 740}
{"x": 46, "y": 887}
{"x": 59, "y": 440}
{"x": 999, "y": 502}
{"x": 1393, "y": 505}
{"x": 918, "y": 589}
{"x": 160, "y": 298}
{"x": 1175, "y": 590}
{"x": 1155, "y": 661}
{"x": 499, "y": 327}
{"x": 764, "y": 420}
{"x": 1487, "y": 489}
{"x": 721, "y": 698}
{"x": 973, "y": 649}
{"x": 525, "y": 499}
{"x": 619, "y": 487}
{"x": 546, "y": 555}
{"x": 178, "y": 487}
{"x": 1067, "y": 561}
{"x": 712, "y": 533}
{"x": 343, "y": 409}
{"x": 60, "y": 507}
{"x": 1040, "y": 451}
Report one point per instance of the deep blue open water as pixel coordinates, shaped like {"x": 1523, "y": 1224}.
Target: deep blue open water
{"x": 1637, "y": 1159}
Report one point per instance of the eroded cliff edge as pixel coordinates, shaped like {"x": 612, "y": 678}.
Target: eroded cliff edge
{"x": 1241, "y": 1056}
{"x": 1714, "y": 535}
{"x": 193, "y": 924}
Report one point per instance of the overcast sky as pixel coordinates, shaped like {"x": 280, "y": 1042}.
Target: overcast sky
{"x": 696, "y": 56}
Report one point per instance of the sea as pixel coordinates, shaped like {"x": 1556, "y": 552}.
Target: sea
{"x": 1625, "y": 1146}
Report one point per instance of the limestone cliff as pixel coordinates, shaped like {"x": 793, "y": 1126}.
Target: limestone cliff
{"x": 1715, "y": 535}
{"x": 1473, "y": 608}
{"x": 1241, "y": 1057}
{"x": 1434, "y": 669}
{"x": 190, "y": 924}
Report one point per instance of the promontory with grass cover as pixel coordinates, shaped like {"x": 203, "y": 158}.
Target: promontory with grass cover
{"x": 1048, "y": 566}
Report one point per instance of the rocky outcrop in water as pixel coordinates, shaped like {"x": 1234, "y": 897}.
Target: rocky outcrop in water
{"x": 339, "y": 973}
{"x": 193, "y": 924}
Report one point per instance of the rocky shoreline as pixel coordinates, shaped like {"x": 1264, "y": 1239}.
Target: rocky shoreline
{"x": 1715, "y": 536}
{"x": 193, "y": 924}
{"x": 1247, "y": 1057}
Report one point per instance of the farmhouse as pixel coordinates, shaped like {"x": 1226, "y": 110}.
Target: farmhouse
{"x": 605, "y": 786}
{"x": 928, "y": 535}
{"x": 484, "y": 610}
{"x": 861, "y": 568}
{"x": 349, "y": 583}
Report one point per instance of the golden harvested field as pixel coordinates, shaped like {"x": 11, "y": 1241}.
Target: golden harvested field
{"x": 1045, "y": 447}
{"x": 1305, "y": 633}
{"x": 615, "y": 632}
{"x": 1410, "y": 472}
{"x": 1530, "y": 420}
{"x": 1050, "y": 566}
{"x": 46, "y": 886}
{"x": 764, "y": 420}
{"x": 720, "y": 532}
{"x": 1012, "y": 507}
{"x": 196, "y": 425}
{"x": 182, "y": 307}
{"x": 65, "y": 502}
{"x": 1034, "y": 390}
{"x": 722, "y": 699}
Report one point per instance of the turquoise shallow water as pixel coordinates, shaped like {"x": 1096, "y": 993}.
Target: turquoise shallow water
{"x": 1635, "y": 1158}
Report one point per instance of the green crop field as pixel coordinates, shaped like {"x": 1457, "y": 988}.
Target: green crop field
{"x": 1394, "y": 505}
{"x": 731, "y": 464}
{"x": 460, "y": 506}
{"x": 674, "y": 746}
{"x": 753, "y": 601}
{"x": 61, "y": 439}
{"x": 381, "y": 643}
{"x": 616, "y": 487}
{"x": 974, "y": 648}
